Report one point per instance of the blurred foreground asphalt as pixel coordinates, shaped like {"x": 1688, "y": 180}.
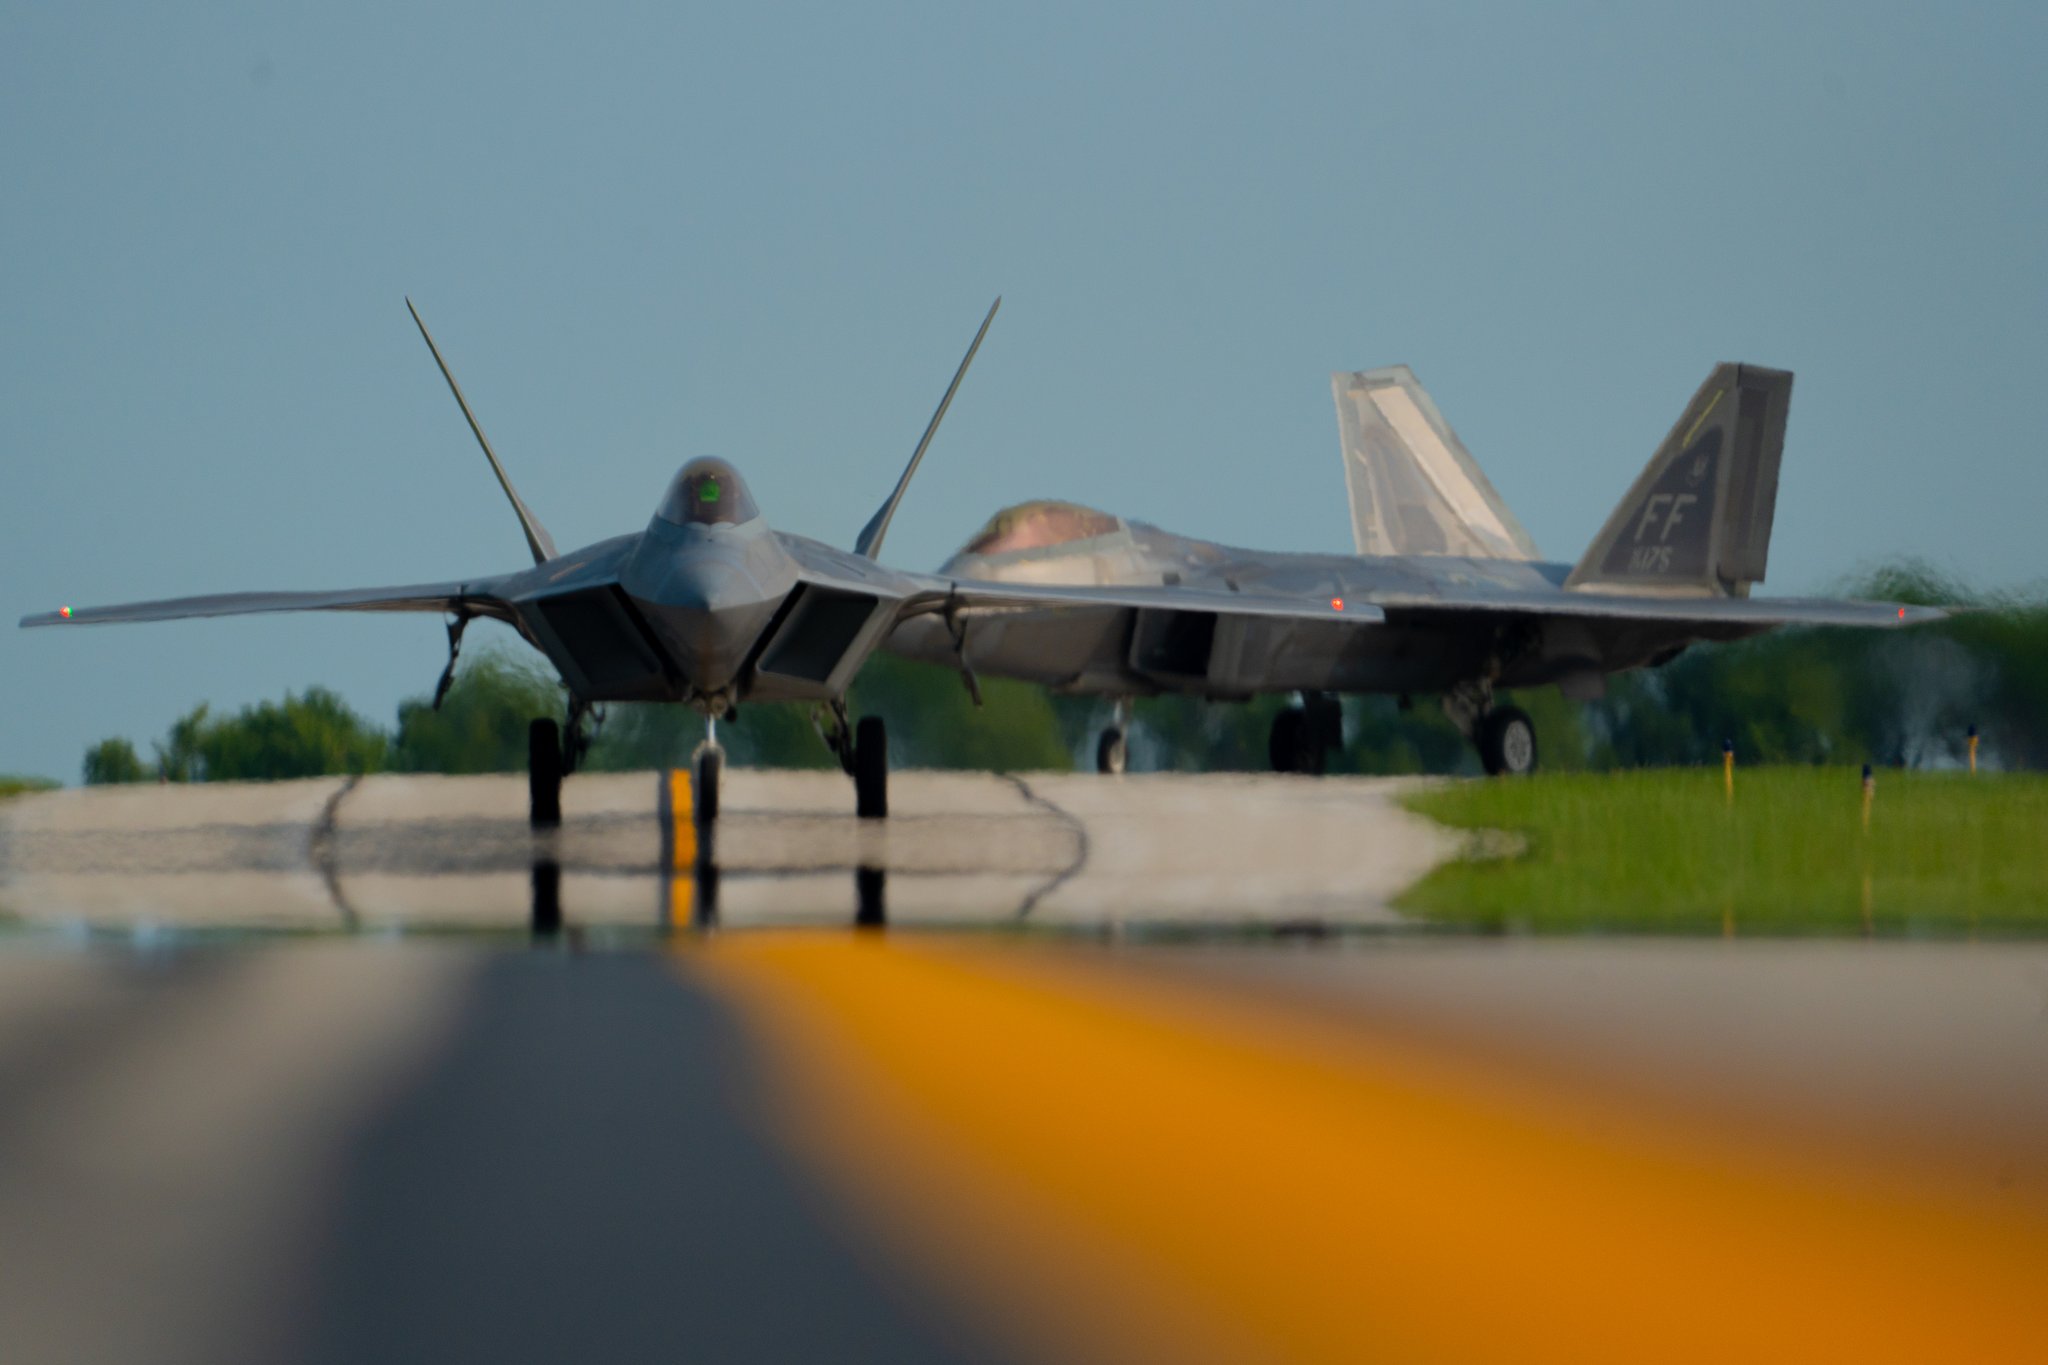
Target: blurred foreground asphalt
{"x": 803, "y": 1145}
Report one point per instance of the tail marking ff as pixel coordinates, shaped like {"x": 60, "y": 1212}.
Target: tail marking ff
{"x": 1697, "y": 522}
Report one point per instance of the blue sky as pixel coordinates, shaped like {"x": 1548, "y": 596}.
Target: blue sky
{"x": 647, "y": 232}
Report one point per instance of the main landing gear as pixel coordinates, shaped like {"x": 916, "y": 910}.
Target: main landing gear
{"x": 1303, "y": 736}
{"x": 1113, "y": 746}
{"x": 553, "y": 751}
{"x": 1504, "y": 735}
{"x": 544, "y": 773}
{"x": 863, "y": 751}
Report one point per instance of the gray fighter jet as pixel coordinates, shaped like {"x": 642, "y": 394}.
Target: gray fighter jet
{"x": 710, "y": 607}
{"x": 1447, "y": 593}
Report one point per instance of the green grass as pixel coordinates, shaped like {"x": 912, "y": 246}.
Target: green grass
{"x": 15, "y": 786}
{"x": 1662, "y": 851}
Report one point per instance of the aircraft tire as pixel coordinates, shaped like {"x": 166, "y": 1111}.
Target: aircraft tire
{"x": 871, "y": 768}
{"x": 1112, "y": 752}
{"x": 1507, "y": 742}
{"x": 709, "y": 767}
{"x": 1287, "y": 747}
{"x": 544, "y": 773}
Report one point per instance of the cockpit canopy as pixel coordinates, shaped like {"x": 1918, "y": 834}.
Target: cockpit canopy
{"x": 708, "y": 492}
{"x": 1038, "y": 526}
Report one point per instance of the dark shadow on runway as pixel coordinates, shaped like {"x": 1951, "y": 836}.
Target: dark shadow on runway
{"x": 581, "y": 1178}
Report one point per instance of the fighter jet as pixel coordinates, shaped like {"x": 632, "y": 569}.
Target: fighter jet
{"x": 709, "y": 607}
{"x": 1447, "y": 593}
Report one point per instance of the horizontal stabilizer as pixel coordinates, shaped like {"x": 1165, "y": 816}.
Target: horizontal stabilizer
{"x": 1415, "y": 490}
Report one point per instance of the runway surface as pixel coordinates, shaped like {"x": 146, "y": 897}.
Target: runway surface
{"x": 427, "y": 1133}
{"x": 423, "y": 852}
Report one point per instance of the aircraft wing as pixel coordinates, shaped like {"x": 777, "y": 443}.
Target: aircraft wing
{"x": 473, "y": 598}
{"x": 1757, "y": 612}
{"x": 915, "y": 594}
{"x": 973, "y": 596}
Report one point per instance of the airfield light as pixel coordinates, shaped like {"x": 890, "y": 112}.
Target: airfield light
{"x": 1336, "y": 604}
{"x": 64, "y": 612}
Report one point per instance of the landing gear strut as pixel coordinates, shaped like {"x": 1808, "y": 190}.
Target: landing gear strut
{"x": 1113, "y": 748}
{"x": 455, "y": 628}
{"x": 1303, "y": 735}
{"x": 863, "y": 752}
{"x": 706, "y": 766}
{"x": 577, "y": 735}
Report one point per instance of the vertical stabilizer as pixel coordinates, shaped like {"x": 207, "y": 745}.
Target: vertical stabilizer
{"x": 1414, "y": 488}
{"x": 1697, "y": 523}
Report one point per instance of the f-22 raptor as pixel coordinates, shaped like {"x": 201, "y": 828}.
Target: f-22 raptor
{"x": 710, "y": 607}
{"x": 1447, "y": 593}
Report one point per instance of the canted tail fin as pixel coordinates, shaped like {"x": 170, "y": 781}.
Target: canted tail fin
{"x": 1697, "y": 523}
{"x": 537, "y": 538}
{"x": 1414, "y": 488}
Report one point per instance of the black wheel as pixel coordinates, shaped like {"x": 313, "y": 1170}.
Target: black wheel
{"x": 1507, "y": 742}
{"x": 1112, "y": 751}
{"x": 710, "y": 765}
{"x": 544, "y": 773}
{"x": 1298, "y": 742}
{"x": 1284, "y": 745}
{"x": 871, "y": 768}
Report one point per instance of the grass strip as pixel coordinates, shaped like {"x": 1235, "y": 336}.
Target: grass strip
{"x": 1664, "y": 850}
{"x": 15, "y": 786}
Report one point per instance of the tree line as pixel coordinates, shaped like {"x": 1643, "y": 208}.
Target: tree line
{"x": 1904, "y": 698}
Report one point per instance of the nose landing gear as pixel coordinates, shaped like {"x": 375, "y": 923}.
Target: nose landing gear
{"x": 1113, "y": 747}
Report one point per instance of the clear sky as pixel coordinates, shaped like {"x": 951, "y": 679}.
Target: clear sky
{"x": 645, "y": 232}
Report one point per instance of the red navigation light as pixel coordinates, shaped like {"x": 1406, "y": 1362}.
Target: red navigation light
{"x": 1902, "y": 613}
{"x": 64, "y": 612}
{"x": 1336, "y": 604}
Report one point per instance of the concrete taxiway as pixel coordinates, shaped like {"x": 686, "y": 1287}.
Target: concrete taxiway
{"x": 958, "y": 848}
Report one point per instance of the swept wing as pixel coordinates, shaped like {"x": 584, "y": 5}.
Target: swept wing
{"x": 478, "y": 597}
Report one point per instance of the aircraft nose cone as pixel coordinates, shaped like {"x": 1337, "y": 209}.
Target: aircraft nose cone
{"x": 710, "y": 615}
{"x": 708, "y": 593}
{"x": 711, "y": 587}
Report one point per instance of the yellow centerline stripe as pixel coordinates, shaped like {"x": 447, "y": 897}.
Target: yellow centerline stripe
{"x": 682, "y": 881}
{"x": 1124, "y": 1167}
